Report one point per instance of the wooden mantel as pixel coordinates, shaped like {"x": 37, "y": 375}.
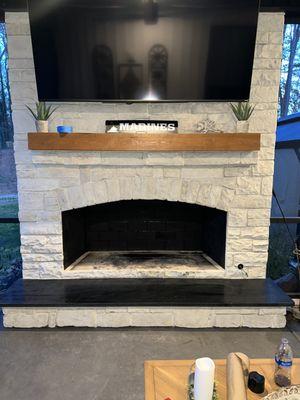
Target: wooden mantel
{"x": 165, "y": 142}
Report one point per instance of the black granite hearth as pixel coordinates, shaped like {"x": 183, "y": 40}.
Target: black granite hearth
{"x": 145, "y": 292}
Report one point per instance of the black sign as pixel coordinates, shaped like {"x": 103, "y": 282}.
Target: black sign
{"x": 141, "y": 126}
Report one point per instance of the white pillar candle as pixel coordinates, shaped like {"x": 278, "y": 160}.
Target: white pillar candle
{"x": 204, "y": 379}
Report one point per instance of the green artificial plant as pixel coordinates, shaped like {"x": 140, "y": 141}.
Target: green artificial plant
{"x": 242, "y": 110}
{"x": 43, "y": 112}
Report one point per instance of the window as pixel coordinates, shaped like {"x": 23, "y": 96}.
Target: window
{"x": 289, "y": 95}
{"x": 285, "y": 215}
{"x": 10, "y": 259}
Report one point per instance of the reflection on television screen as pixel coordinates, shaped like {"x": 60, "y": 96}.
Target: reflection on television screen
{"x": 147, "y": 50}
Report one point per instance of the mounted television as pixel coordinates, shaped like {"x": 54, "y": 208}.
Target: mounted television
{"x": 143, "y": 50}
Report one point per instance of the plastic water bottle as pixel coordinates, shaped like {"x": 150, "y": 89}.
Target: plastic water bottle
{"x": 283, "y": 364}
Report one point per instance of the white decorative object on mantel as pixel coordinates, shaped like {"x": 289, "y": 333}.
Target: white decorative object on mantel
{"x": 207, "y": 126}
{"x": 242, "y": 126}
{"x": 42, "y": 126}
{"x": 291, "y": 393}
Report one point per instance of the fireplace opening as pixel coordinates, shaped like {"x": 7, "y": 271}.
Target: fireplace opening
{"x": 144, "y": 234}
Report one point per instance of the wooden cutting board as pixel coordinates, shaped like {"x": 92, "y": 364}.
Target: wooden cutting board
{"x": 169, "y": 378}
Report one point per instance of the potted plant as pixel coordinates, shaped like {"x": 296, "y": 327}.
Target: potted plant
{"x": 42, "y": 115}
{"x": 242, "y": 111}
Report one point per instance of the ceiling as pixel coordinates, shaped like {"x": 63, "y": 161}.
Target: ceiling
{"x": 290, "y": 7}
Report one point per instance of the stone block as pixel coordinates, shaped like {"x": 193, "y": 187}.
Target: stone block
{"x": 236, "y": 171}
{"x": 263, "y": 94}
{"x": 260, "y": 321}
{"x": 267, "y": 63}
{"x": 24, "y": 171}
{"x": 28, "y": 216}
{"x": 248, "y": 185}
{"x": 268, "y": 51}
{"x": 251, "y": 259}
{"x": 50, "y": 270}
{"x": 148, "y": 188}
{"x": 267, "y": 140}
{"x": 40, "y": 228}
{"x": 263, "y": 168}
{"x": 209, "y": 195}
{"x": 225, "y": 199}
{"x": 37, "y": 185}
{"x": 267, "y": 185}
{"x": 51, "y": 203}
{"x": 171, "y": 159}
{"x": 62, "y": 198}
{"x": 276, "y": 37}
{"x": 23, "y": 92}
{"x": 18, "y": 28}
{"x": 115, "y": 319}
{"x": 258, "y": 217}
{"x": 100, "y": 190}
{"x": 251, "y": 201}
{"x": 262, "y": 37}
{"x": 16, "y": 17}
{"x": 152, "y": 319}
{"x": 50, "y": 249}
{"x": 211, "y": 159}
{"x": 239, "y": 245}
{"x": 19, "y": 46}
{"x": 24, "y": 318}
{"x": 270, "y": 22}
{"x": 126, "y": 186}
{"x": 272, "y": 311}
{"x": 194, "y": 173}
{"x": 89, "y": 193}
{"x": 228, "y": 321}
{"x": 260, "y": 245}
{"x": 122, "y": 158}
{"x": 75, "y": 197}
{"x": 193, "y": 317}
{"x": 255, "y": 233}
{"x": 28, "y": 201}
{"x": 265, "y": 77}
{"x": 57, "y": 172}
{"x": 21, "y": 63}
{"x": 22, "y": 75}
{"x": 76, "y": 317}
{"x": 172, "y": 172}
{"x": 237, "y": 217}
{"x": 40, "y": 241}
{"x": 41, "y": 258}
{"x": 23, "y": 122}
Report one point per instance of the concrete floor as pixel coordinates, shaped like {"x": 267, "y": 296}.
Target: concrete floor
{"x": 107, "y": 364}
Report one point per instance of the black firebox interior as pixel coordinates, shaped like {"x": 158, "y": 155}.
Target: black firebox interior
{"x": 148, "y": 225}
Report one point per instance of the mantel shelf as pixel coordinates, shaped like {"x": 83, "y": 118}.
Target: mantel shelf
{"x": 165, "y": 142}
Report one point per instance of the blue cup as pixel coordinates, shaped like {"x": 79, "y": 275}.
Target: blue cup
{"x": 64, "y": 129}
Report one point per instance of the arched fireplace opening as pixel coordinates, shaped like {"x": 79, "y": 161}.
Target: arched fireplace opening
{"x": 143, "y": 233}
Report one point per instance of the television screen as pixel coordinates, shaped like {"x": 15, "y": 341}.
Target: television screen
{"x": 143, "y": 50}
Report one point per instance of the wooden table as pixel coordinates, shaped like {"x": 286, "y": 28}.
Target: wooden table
{"x": 168, "y": 378}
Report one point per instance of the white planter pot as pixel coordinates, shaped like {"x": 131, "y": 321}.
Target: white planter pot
{"x": 42, "y": 126}
{"x": 242, "y": 126}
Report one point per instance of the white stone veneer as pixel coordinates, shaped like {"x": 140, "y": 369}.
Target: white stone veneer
{"x": 237, "y": 182}
{"x": 186, "y": 317}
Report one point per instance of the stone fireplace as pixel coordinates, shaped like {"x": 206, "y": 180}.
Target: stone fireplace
{"x": 83, "y": 213}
